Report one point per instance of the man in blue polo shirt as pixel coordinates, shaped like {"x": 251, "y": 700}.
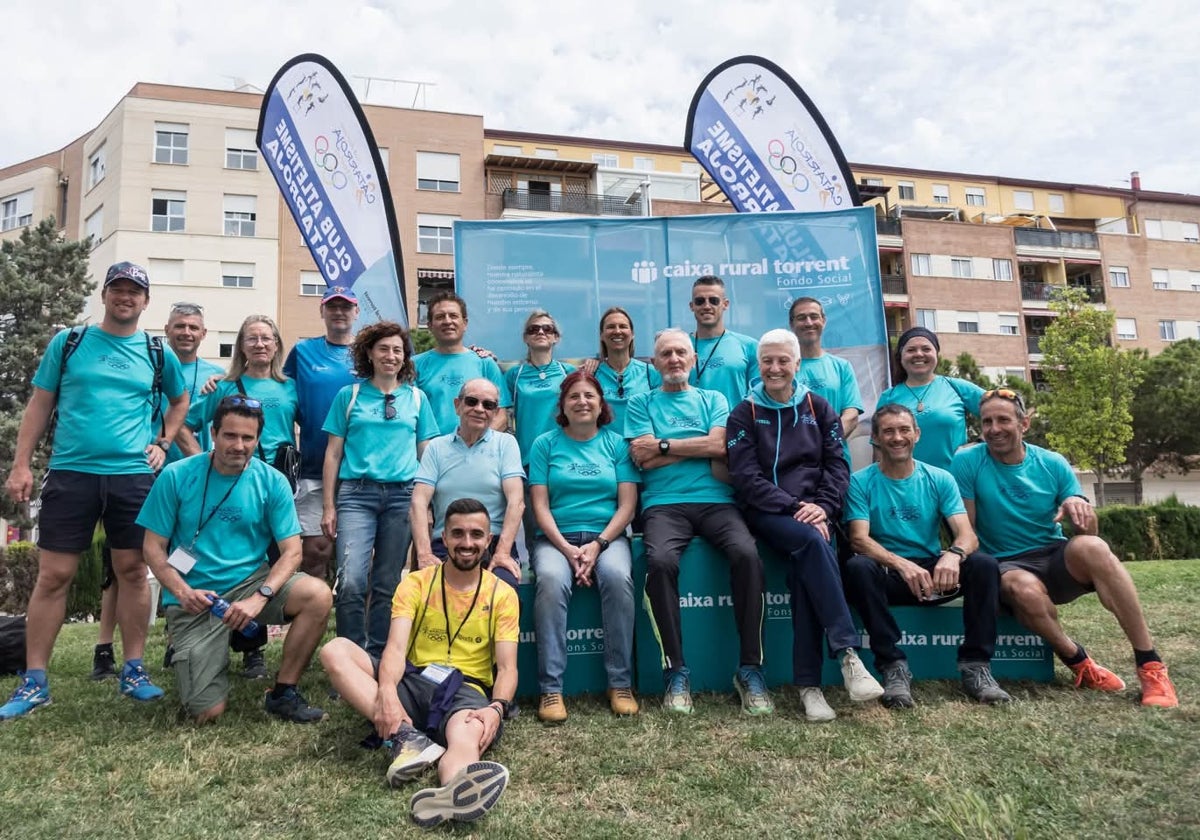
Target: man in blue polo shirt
{"x": 474, "y": 461}
{"x": 676, "y": 436}
{"x": 442, "y": 371}
{"x": 1018, "y": 496}
{"x": 108, "y": 443}
{"x": 320, "y": 367}
{"x": 726, "y": 361}
{"x": 894, "y": 511}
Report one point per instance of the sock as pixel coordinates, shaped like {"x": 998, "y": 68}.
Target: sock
{"x": 279, "y": 689}
{"x": 104, "y": 646}
{"x": 1145, "y": 657}
{"x": 133, "y": 664}
{"x": 38, "y": 675}
{"x": 1077, "y": 658}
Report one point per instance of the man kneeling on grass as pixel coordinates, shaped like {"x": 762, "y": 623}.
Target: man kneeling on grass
{"x": 451, "y": 624}
{"x": 209, "y": 519}
{"x": 1018, "y": 495}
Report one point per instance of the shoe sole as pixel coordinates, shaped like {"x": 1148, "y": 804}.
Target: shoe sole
{"x": 866, "y": 697}
{"x": 470, "y": 794}
{"x": 414, "y": 768}
{"x": 897, "y": 702}
{"x": 153, "y": 699}
{"x": 27, "y": 713}
{"x": 749, "y": 708}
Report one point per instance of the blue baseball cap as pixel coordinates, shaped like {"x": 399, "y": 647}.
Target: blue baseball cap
{"x": 127, "y": 271}
{"x": 342, "y": 292}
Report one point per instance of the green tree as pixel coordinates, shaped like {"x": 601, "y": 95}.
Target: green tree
{"x": 422, "y": 339}
{"x": 43, "y": 286}
{"x": 1166, "y": 405}
{"x": 1088, "y": 406}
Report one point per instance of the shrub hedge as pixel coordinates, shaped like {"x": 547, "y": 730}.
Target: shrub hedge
{"x": 18, "y": 573}
{"x": 1166, "y": 530}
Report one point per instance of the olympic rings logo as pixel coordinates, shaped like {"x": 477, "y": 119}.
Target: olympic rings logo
{"x": 327, "y": 160}
{"x": 786, "y": 164}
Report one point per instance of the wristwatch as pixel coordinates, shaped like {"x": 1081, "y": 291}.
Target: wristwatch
{"x": 962, "y": 555}
{"x": 266, "y": 591}
{"x": 664, "y": 447}
{"x": 603, "y": 543}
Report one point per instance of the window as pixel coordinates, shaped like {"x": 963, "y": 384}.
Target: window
{"x": 1118, "y": 276}
{"x": 1022, "y": 199}
{"x": 1194, "y": 280}
{"x": 170, "y": 143}
{"x": 1002, "y": 269}
{"x": 960, "y": 266}
{"x": 941, "y": 194}
{"x": 237, "y": 275}
{"x": 605, "y": 160}
{"x": 435, "y": 234}
{"x": 240, "y": 151}
{"x": 927, "y": 318}
{"x": 1009, "y": 325}
{"x": 920, "y": 264}
{"x": 1160, "y": 278}
{"x": 1166, "y": 330}
{"x": 96, "y": 166}
{"x": 689, "y": 168}
{"x": 644, "y": 164}
{"x": 166, "y": 272}
{"x": 1057, "y": 203}
{"x": 93, "y": 226}
{"x": 976, "y": 197}
{"x": 225, "y": 343}
{"x": 968, "y": 326}
{"x": 513, "y": 151}
{"x": 167, "y": 210}
{"x": 16, "y": 210}
{"x": 1191, "y": 232}
{"x": 437, "y": 171}
{"x": 873, "y": 182}
{"x": 312, "y": 284}
{"x": 1127, "y": 329}
{"x": 240, "y": 215}
{"x": 545, "y": 153}
{"x": 908, "y": 190}
{"x": 1154, "y": 229}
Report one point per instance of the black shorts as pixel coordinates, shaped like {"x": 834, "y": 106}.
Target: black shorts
{"x": 73, "y": 502}
{"x": 416, "y": 693}
{"x": 1049, "y": 565}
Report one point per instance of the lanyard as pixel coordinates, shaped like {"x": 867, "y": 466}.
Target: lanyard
{"x": 446, "y": 610}
{"x": 708, "y": 358}
{"x": 204, "y": 499}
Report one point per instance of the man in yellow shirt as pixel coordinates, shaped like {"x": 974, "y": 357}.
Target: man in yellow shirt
{"x": 451, "y": 625}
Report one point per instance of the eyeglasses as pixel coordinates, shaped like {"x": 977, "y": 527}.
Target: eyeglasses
{"x": 240, "y": 401}
{"x": 1004, "y": 394}
{"x": 259, "y": 339}
{"x": 621, "y": 385}
{"x": 547, "y": 329}
{"x": 803, "y": 317}
{"x": 389, "y": 406}
{"x": 711, "y": 300}
{"x": 488, "y": 405}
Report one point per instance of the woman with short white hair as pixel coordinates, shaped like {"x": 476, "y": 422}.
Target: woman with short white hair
{"x": 787, "y": 467}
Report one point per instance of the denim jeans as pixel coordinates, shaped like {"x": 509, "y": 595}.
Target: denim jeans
{"x": 372, "y": 545}
{"x": 613, "y": 577}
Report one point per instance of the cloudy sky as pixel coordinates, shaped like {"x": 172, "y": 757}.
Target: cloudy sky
{"x": 1081, "y": 92}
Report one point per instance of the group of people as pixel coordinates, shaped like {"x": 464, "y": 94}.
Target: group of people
{"x": 721, "y": 436}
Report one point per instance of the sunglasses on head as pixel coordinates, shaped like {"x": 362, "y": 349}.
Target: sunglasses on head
{"x": 489, "y": 405}
{"x": 241, "y": 401}
{"x": 535, "y": 329}
{"x": 389, "y": 406}
{"x": 1004, "y": 394}
{"x": 711, "y": 300}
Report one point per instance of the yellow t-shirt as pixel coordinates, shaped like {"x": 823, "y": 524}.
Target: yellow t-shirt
{"x": 494, "y": 618}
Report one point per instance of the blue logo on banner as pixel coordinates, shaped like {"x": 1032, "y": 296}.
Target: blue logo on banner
{"x": 724, "y": 151}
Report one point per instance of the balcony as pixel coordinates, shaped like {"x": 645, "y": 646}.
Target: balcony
{"x": 580, "y": 204}
{"x": 1036, "y": 238}
{"x": 1034, "y": 344}
{"x": 894, "y": 284}
{"x": 887, "y": 227}
{"x": 1045, "y": 291}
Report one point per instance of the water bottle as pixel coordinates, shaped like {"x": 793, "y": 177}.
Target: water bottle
{"x": 220, "y": 606}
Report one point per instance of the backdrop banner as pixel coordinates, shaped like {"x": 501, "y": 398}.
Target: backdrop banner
{"x": 316, "y": 141}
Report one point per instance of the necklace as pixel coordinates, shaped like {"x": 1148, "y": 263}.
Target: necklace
{"x": 920, "y": 398}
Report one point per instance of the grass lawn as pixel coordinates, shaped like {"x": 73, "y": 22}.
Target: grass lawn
{"x": 1056, "y": 763}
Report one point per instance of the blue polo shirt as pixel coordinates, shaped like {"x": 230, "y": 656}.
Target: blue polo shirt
{"x": 458, "y": 471}
{"x": 904, "y": 514}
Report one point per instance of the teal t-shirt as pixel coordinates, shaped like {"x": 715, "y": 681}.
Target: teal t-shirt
{"x": 904, "y": 514}
{"x": 236, "y": 531}
{"x": 1015, "y": 504}
{"x": 374, "y": 447}
{"x": 279, "y": 410}
{"x": 457, "y": 471}
{"x": 534, "y": 393}
{"x": 195, "y": 374}
{"x": 442, "y": 375}
{"x": 581, "y": 477}
{"x": 945, "y": 403}
{"x": 675, "y": 415}
{"x": 619, "y": 388}
{"x": 726, "y": 363}
{"x": 104, "y": 405}
{"x": 832, "y": 377}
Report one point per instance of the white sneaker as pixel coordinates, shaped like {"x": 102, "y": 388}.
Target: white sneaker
{"x": 815, "y": 707}
{"x": 859, "y": 682}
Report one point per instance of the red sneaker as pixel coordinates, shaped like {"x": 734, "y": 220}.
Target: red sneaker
{"x": 1156, "y": 686}
{"x": 1088, "y": 674}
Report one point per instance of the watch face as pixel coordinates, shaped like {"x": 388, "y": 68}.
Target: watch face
{"x": 266, "y": 591}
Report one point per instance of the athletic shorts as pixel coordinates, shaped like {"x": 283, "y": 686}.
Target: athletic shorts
{"x": 416, "y": 693}
{"x": 310, "y": 506}
{"x": 201, "y": 643}
{"x": 73, "y": 502}
{"x": 1049, "y": 565}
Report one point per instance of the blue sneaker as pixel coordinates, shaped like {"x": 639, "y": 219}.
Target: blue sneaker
{"x": 752, "y": 690}
{"x": 135, "y": 683}
{"x": 28, "y": 696}
{"x": 678, "y": 696}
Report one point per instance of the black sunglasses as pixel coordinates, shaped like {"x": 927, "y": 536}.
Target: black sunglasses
{"x": 535, "y": 329}
{"x": 621, "y": 385}
{"x": 471, "y": 402}
{"x": 389, "y": 406}
{"x": 240, "y": 401}
{"x": 711, "y": 300}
